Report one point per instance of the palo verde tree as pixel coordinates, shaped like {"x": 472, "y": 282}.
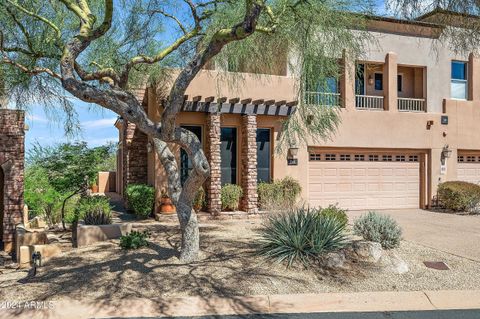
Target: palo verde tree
{"x": 99, "y": 50}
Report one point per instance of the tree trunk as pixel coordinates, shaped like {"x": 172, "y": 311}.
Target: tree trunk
{"x": 63, "y": 207}
{"x": 190, "y": 234}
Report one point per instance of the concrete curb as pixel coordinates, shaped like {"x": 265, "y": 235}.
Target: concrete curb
{"x": 268, "y": 304}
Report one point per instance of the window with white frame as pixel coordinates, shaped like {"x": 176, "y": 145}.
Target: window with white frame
{"x": 459, "y": 85}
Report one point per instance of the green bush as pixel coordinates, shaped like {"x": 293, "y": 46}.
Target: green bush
{"x": 301, "y": 235}
{"x": 134, "y": 240}
{"x": 279, "y": 195}
{"x": 459, "y": 196}
{"x": 199, "y": 200}
{"x": 141, "y": 199}
{"x": 230, "y": 196}
{"x": 335, "y": 212}
{"x": 93, "y": 210}
{"x": 379, "y": 228}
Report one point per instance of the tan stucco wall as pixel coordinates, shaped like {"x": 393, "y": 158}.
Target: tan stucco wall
{"x": 425, "y": 65}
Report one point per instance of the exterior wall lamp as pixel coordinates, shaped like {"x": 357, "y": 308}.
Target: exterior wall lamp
{"x": 446, "y": 153}
{"x": 149, "y": 147}
{"x": 292, "y": 155}
{"x": 293, "y": 150}
{"x": 370, "y": 80}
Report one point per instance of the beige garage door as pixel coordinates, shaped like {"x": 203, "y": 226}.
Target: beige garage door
{"x": 468, "y": 168}
{"x": 364, "y": 181}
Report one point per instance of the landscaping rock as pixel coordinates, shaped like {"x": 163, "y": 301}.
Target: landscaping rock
{"x": 365, "y": 250}
{"x": 334, "y": 260}
{"x": 394, "y": 263}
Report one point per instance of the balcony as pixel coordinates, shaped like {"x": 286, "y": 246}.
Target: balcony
{"x": 322, "y": 98}
{"x": 411, "y": 105}
{"x": 369, "y": 102}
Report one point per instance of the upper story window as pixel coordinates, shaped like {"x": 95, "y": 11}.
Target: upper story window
{"x": 459, "y": 85}
{"x": 399, "y": 82}
{"x": 378, "y": 81}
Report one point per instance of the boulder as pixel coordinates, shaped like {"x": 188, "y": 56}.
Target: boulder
{"x": 365, "y": 251}
{"x": 334, "y": 260}
{"x": 393, "y": 263}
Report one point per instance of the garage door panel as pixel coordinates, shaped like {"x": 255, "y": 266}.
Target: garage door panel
{"x": 469, "y": 172}
{"x": 364, "y": 184}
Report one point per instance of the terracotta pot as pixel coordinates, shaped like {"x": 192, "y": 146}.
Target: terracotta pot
{"x": 95, "y": 188}
{"x": 166, "y": 206}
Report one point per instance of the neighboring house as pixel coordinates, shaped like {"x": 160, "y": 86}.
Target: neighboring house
{"x": 12, "y": 153}
{"x": 410, "y": 112}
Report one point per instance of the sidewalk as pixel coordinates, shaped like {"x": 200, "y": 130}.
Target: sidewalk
{"x": 268, "y": 304}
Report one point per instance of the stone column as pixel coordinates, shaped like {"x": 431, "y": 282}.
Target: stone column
{"x": 390, "y": 86}
{"x": 347, "y": 83}
{"x": 249, "y": 163}
{"x": 214, "y": 182}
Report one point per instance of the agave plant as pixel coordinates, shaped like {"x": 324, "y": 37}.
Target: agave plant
{"x": 301, "y": 235}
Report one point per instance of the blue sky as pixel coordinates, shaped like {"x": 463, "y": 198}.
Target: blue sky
{"x": 97, "y": 123}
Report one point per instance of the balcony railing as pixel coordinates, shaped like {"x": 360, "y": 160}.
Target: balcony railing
{"x": 369, "y": 102}
{"x": 411, "y": 105}
{"x": 322, "y": 99}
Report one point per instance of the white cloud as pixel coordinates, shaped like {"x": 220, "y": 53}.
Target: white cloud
{"x": 101, "y": 123}
{"x": 36, "y": 118}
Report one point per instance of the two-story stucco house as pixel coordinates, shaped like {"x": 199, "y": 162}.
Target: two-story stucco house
{"x": 409, "y": 120}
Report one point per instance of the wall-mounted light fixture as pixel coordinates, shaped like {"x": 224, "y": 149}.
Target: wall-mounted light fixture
{"x": 370, "y": 80}
{"x": 293, "y": 151}
{"x": 446, "y": 153}
{"x": 149, "y": 146}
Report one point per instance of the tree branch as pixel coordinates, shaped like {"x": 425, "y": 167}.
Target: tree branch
{"x": 38, "y": 17}
{"x": 221, "y": 38}
{"x": 34, "y": 71}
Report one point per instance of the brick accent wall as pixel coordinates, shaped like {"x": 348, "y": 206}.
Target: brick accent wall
{"x": 135, "y": 156}
{"x": 12, "y": 164}
{"x": 249, "y": 163}
{"x": 214, "y": 182}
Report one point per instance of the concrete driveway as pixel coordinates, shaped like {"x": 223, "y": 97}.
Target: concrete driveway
{"x": 455, "y": 234}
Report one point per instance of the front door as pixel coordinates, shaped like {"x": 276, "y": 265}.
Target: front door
{"x": 263, "y": 155}
{"x": 228, "y": 151}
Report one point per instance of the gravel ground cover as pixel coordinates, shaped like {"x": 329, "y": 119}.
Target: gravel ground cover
{"x": 229, "y": 267}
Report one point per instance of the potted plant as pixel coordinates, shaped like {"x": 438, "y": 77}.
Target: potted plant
{"x": 94, "y": 186}
{"x": 166, "y": 205}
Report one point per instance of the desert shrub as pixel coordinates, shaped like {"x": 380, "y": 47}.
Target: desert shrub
{"x": 269, "y": 195}
{"x": 335, "y": 212}
{"x": 134, "y": 240}
{"x": 199, "y": 200}
{"x": 230, "y": 196}
{"x": 93, "y": 210}
{"x": 459, "y": 196}
{"x": 141, "y": 199}
{"x": 291, "y": 189}
{"x": 302, "y": 235}
{"x": 379, "y": 228}
{"x": 279, "y": 195}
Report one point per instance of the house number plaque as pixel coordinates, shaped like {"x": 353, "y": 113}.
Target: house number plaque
{"x": 292, "y": 161}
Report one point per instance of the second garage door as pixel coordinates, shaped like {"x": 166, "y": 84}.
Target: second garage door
{"x": 364, "y": 180}
{"x": 468, "y": 166}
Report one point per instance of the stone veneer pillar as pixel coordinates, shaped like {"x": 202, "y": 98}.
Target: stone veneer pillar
{"x": 214, "y": 182}
{"x": 249, "y": 163}
{"x": 12, "y": 154}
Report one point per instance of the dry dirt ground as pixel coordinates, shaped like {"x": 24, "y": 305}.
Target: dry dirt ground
{"x": 229, "y": 267}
